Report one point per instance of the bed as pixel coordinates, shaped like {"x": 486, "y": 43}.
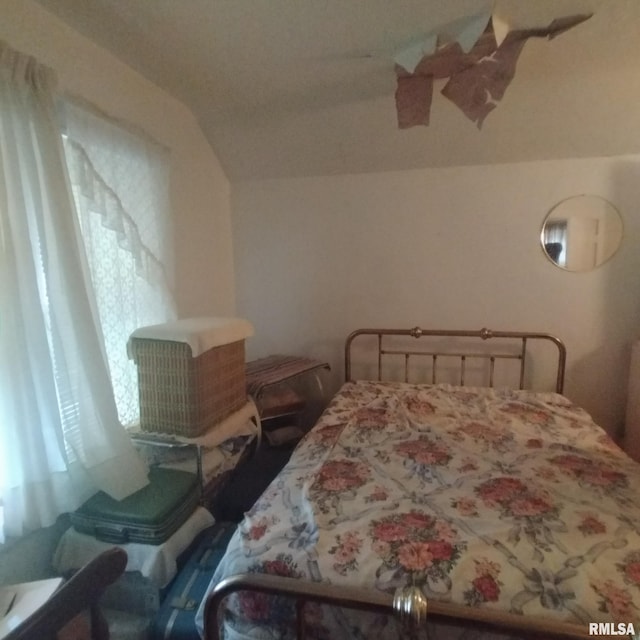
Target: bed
{"x": 491, "y": 511}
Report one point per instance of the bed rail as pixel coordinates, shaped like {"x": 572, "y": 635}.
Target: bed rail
{"x": 499, "y": 353}
{"x": 411, "y": 612}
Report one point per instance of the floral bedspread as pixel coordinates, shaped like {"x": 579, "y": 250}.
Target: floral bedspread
{"x": 501, "y": 499}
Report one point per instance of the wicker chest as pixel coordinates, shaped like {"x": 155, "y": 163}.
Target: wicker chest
{"x": 191, "y": 373}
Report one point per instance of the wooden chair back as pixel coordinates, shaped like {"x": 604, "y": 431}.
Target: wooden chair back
{"x": 80, "y": 593}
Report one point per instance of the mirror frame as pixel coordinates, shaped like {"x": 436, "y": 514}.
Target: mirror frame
{"x": 608, "y": 204}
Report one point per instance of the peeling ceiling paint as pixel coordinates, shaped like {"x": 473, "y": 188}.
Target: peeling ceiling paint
{"x": 286, "y": 88}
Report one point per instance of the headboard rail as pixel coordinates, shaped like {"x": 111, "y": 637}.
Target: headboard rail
{"x": 502, "y": 339}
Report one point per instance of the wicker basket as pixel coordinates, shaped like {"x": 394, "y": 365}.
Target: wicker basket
{"x": 183, "y": 395}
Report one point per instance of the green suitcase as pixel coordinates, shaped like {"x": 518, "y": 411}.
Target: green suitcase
{"x": 149, "y": 516}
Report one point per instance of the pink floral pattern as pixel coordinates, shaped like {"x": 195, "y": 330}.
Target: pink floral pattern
{"x": 590, "y": 472}
{"x": 514, "y": 498}
{"x": 419, "y": 408}
{"x": 259, "y": 608}
{"x": 485, "y": 586}
{"x": 423, "y": 451}
{"x": 630, "y": 568}
{"x": 485, "y": 436}
{"x": 341, "y": 475}
{"x": 346, "y": 551}
{"x": 490, "y": 498}
{"x": 415, "y": 546}
{"x": 615, "y": 600}
{"x": 591, "y": 524}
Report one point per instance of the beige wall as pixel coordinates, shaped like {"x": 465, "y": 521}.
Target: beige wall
{"x": 199, "y": 189}
{"x": 459, "y": 248}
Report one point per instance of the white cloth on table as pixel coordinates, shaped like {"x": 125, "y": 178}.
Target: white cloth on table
{"x": 158, "y": 563}
{"x": 244, "y": 422}
{"x": 213, "y": 462}
{"x": 217, "y": 450}
{"x": 201, "y": 334}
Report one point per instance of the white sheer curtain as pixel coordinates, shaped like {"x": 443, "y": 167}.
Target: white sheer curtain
{"x": 60, "y": 439}
{"x": 120, "y": 181}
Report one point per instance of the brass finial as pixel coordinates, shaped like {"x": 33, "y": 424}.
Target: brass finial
{"x": 410, "y": 604}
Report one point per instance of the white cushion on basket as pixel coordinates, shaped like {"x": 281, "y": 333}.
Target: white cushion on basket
{"x": 201, "y": 334}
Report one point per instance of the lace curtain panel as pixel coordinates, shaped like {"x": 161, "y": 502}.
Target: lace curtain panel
{"x": 60, "y": 438}
{"x": 120, "y": 182}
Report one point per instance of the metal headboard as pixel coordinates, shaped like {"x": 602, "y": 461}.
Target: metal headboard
{"x": 482, "y": 334}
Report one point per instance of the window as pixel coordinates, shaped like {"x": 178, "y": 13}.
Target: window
{"x": 84, "y": 260}
{"x": 120, "y": 182}
{"x": 554, "y": 239}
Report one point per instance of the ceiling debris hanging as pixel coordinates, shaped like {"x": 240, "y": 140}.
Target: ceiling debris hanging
{"x": 478, "y": 54}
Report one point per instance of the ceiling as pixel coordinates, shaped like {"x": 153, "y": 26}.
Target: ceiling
{"x": 285, "y": 88}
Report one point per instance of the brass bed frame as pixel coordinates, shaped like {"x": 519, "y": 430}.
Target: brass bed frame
{"x": 504, "y": 337}
{"x": 411, "y": 611}
{"x": 408, "y": 604}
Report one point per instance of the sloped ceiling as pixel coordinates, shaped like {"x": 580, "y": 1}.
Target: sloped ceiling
{"x": 286, "y": 88}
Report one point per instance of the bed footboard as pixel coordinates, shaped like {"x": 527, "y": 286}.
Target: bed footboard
{"x": 411, "y": 615}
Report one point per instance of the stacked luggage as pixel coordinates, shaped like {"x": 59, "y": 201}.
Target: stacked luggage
{"x": 149, "y": 516}
{"x": 191, "y": 376}
{"x": 176, "y": 618}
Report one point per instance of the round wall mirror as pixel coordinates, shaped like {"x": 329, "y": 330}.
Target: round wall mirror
{"x": 581, "y": 232}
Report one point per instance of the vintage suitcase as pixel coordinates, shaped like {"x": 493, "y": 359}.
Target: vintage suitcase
{"x": 149, "y": 516}
{"x": 176, "y": 618}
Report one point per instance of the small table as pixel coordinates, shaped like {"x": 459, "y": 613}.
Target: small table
{"x": 23, "y": 600}
{"x": 279, "y": 405}
{"x": 273, "y": 370}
